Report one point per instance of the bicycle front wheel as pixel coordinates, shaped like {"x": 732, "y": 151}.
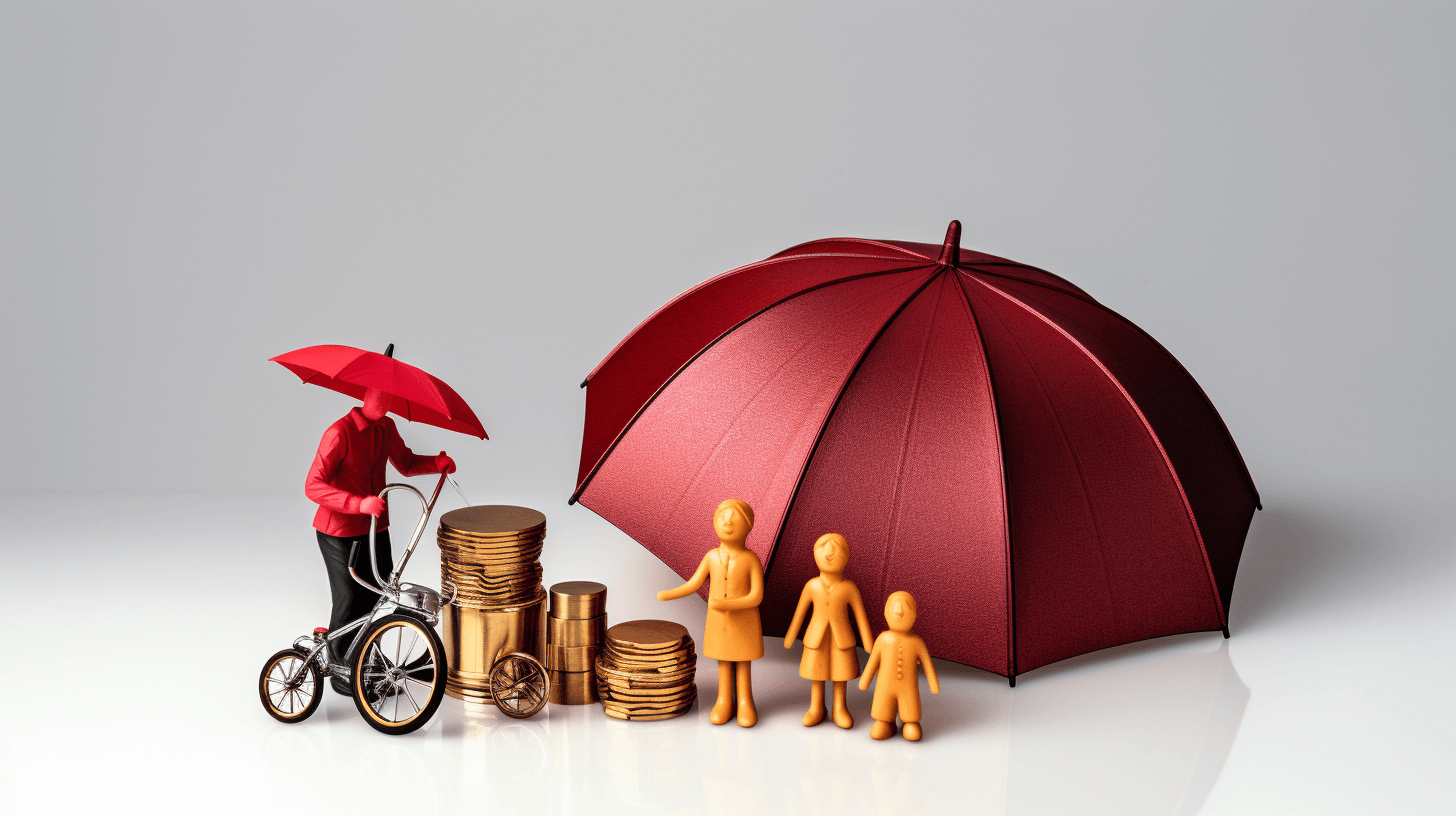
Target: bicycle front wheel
{"x": 399, "y": 674}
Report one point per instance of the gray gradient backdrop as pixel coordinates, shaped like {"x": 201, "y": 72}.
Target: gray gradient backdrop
{"x": 504, "y": 192}
{"x": 187, "y": 189}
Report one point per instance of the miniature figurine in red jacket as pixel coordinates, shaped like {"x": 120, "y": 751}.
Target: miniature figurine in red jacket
{"x": 344, "y": 481}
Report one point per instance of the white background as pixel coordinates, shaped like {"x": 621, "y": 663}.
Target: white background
{"x": 505, "y": 191}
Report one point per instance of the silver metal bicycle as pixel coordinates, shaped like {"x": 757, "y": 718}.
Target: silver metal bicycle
{"x": 397, "y": 674}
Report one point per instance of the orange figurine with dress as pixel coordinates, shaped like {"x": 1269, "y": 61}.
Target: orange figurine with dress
{"x": 829, "y": 653}
{"x": 733, "y": 635}
{"x": 897, "y": 685}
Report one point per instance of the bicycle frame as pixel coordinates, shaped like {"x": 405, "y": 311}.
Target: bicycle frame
{"x": 389, "y": 591}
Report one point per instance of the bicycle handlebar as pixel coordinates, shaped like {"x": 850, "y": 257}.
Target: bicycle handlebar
{"x": 427, "y": 507}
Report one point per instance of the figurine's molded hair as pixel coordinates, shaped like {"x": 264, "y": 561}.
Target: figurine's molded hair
{"x": 836, "y": 538}
{"x": 741, "y": 506}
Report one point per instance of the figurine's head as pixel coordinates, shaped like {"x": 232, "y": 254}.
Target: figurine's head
{"x": 831, "y": 553}
{"x": 732, "y": 520}
{"x": 376, "y": 404}
{"x": 900, "y": 611}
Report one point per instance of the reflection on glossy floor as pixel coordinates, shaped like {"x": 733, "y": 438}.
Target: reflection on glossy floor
{"x": 168, "y": 615}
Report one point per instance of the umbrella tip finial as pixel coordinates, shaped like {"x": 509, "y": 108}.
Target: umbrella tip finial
{"x": 951, "y": 251}
{"x": 389, "y": 352}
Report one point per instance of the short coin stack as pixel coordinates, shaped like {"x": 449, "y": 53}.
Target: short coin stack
{"x": 645, "y": 671}
{"x": 574, "y": 630}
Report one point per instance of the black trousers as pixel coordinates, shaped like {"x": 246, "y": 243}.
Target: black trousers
{"x": 352, "y": 601}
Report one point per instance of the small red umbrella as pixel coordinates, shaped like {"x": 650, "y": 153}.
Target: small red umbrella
{"x": 1038, "y": 472}
{"x": 417, "y": 396}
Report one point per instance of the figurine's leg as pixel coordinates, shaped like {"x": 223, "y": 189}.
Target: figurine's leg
{"x": 723, "y": 709}
{"x": 841, "y": 711}
{"x": 882, "y": 730}
{"x": 910, "y": 715}
{"x": 747, "y": 714}
{"x": 816, "y": 704}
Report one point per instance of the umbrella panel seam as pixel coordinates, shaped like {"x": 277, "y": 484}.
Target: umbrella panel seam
{"x": 1076, "y": 461}
{"x": 1147, "y": 426}
{"x": 680, "y": 369}
{"x": 829, "y": 416}
{"x": 1005, "y": 488}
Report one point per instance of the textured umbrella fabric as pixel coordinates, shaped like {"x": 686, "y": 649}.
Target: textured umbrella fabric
{"x": 415, "y": 395}
{"x": 1043, "y": 476}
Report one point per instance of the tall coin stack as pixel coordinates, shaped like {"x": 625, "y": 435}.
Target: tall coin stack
{"x": 574, "y": 629}
{"x": 645, "y": 671}
{"x": 490, "y": 557}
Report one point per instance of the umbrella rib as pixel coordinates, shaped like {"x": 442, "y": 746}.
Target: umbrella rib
{"x": 828, "y": 417}
{"x": 1158, "y": 443}
{"x": 1005, "y": 489}
{"x": 1076, "y": 461}
{"x": 909, "y": 429}
{"x": 661, "y": 388}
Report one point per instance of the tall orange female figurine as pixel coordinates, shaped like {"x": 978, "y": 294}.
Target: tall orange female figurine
{"x": 734, "y": 634}
{"x": 829, "y": 639}
{"x": 897, "y": 687}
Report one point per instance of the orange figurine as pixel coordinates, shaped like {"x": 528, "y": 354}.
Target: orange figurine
{"x": 829, "y": 653}
{"x": 734, "y": 634}
{"x": 897, "y": 686}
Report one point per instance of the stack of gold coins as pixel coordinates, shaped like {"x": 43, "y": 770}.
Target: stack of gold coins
{"x": 574, "y": 628}
{"x": 645, "y": 671}
{"x": 490, "y": 562}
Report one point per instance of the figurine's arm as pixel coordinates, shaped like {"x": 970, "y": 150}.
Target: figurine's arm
{"x": 860, "y": 618}
{"x": 924, "y": 655}
{"x": 316, "y": 486}
{"x": 693, "y": 584}
{"x": 755, "y": 591}
{"x": 798, "y": 620}
{"x": 870, "y": 666}
{"x": 409, "y": 463}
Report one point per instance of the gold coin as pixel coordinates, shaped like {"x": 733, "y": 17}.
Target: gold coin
{"x": 578, "y": 599}
{"x": 651, "y": 635}
{"x": 571, "y": 658}
{"x": 493, "y": 518}
{"x": 667, "y": 699}
{"x": 575, "y": 631}
{"x": 640, "y": 661}
{"x": 571, "y": 688}
{"x": 626, "y": 715}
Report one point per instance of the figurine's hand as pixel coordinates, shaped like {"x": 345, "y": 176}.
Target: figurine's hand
{"x": 444, "y": 464}
{"x": 373, "y": 505}
{"x": 864, "y": 682}
{"x": 716, "y": 604}
{"x": 662, "y": 596}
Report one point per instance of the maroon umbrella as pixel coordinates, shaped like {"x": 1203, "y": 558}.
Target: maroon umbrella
{"x": 1038, "y": 472}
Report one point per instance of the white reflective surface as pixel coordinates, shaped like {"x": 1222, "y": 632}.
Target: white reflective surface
{"x": 162, "y": 609}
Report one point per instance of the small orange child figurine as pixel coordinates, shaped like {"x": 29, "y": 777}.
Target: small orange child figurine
{"x": 734, "y": 633}
{"x": 829, "y": 653}
{"x": 897, "y": 687}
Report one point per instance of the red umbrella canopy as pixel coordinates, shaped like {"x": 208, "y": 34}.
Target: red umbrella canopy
{"x": 1038, "y": 472}
{"x": 417, "y": 396}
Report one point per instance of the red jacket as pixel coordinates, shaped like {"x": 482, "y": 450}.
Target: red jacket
{"x": 350, "y": 465}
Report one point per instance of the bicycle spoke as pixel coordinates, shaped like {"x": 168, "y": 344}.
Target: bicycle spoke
{"x": 398, "y": 642}
{"x": 405, "y": 689}
{"x": 396, "y": 708}
{"x": 410, "y": 650}
{"x": 424, "y": 667}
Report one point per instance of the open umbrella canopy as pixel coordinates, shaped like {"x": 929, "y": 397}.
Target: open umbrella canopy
{"x": 1038, "y": 472}
{"x": 415, "y": 395}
